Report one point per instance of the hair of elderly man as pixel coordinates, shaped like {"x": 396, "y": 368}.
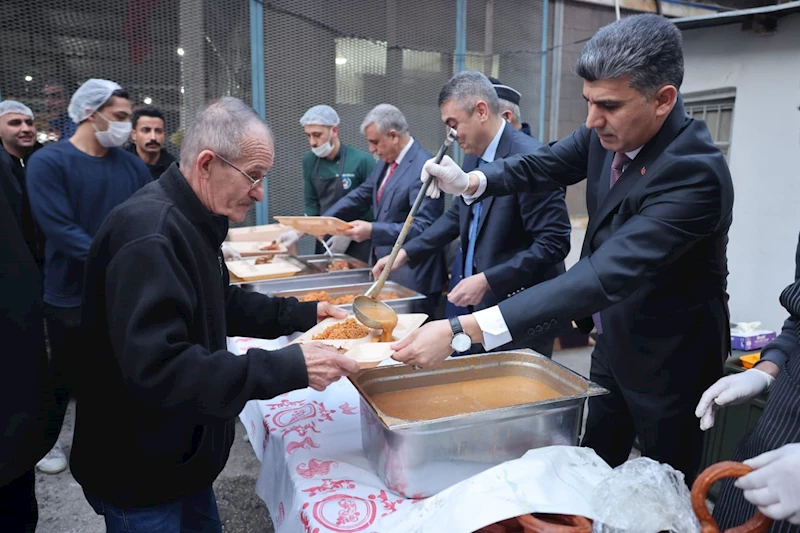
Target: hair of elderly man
{"x": 386, "y": 118}
{"x": 466, "y": 88}
{"x": 646, "y": 47}
{"x": 505, "y": 105}
{"x": 220, "y": 127}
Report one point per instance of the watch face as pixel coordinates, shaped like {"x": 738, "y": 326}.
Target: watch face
{"x": 461, "y": 342}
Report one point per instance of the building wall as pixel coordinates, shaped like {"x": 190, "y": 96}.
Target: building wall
{"x": 764, "y": 155}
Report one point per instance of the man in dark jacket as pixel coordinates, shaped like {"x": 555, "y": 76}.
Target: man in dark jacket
{"x": 159, "y": 383}
{"x": 148, "y": 136}
{"x": 17, "y": 143}
{"x": 26, "y": 398}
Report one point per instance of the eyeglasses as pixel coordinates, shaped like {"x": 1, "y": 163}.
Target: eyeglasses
{"x": 253, "y": 182}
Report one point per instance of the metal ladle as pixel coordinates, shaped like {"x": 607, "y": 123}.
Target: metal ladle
{"x": 362, "y": 305}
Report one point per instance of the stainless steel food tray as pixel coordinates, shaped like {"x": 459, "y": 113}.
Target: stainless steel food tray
{"x": 421, "y": 458}
{"x": 323, "y": 260}
{"x": 404, "y": 304}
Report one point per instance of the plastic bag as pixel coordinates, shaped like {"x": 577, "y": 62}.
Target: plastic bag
{"x": 643, "y": 496}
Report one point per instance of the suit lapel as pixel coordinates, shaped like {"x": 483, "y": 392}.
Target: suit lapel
{"x": 503, "y": 151}
{"x": 609, "y": 200}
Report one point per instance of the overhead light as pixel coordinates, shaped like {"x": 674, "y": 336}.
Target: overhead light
{"x": 28, "y": 78}
{"x": 182, "y": 91}
{"x": 181, "y": 52}
{"x": 341, "y": 60}
{"x": 148, "y": 100}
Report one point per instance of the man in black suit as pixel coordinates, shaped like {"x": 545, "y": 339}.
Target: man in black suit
{"x": 390, "y": 190}
{"x": 653, "y": 269}
{"x": 509, "y": 243}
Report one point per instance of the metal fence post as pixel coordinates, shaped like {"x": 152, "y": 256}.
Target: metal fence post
{"x": 257, "y": 81}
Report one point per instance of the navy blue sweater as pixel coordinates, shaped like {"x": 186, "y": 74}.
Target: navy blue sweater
{"x": 71, "y": 193}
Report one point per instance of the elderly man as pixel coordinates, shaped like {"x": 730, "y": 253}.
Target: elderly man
{"x": 158, "y": 306}
{"x": 509, "y": 106}
{"x": 653, "y": 268}
{"x": 390, "y": 191}
{"x": 148, "y": 136}
{"x": 17, "y": 144}
{"x": 72, "y": 186}
{"x": 508, "y": 243}
{"x": 331, "y": 170}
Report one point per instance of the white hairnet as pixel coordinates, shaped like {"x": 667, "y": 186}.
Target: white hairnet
{"x": 89, "y": 98}
{"x": 12, "y": 106}
{"x": 322, "y": 115}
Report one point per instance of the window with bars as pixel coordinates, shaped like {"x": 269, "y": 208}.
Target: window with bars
{"x": 718, "y": 115}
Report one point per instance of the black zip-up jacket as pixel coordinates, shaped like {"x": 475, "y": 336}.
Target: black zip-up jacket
{"x": 159, "y": 392}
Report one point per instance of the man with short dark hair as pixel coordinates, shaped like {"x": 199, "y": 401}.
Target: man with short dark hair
{"x": 55, "y": 100}
{"x": 17, "y": 143}
{"x": 653, "y": 274}
{"x": 148, "y": 136}
{"x": 72, "y": 186}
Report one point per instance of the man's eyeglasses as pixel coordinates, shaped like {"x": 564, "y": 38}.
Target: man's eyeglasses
{"x": 253, "y": 181}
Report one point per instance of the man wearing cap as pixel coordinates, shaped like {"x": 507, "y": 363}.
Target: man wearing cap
{"x": 331, "y": 170}
{"x": 72, "y": 187}
{"x": 17, "y": 143}
{"x": 509, "y": 106}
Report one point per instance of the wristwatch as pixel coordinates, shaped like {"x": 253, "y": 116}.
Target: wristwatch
{"x": 461, "y": 341}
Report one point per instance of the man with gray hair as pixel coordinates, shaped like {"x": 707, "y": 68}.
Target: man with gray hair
{"x": 652, "y": 278}
{"x": 158, "y": 306}
{"x": 390, "y": 191}
{"x": 509, "y": 99}
{"x": 507, "y": 244}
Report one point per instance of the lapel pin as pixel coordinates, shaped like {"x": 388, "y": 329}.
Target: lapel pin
{"x": 644, "y": 171}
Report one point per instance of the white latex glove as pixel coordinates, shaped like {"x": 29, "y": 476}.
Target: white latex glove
{"x": 230, "y": 254}
{"x": 290, "y": 237}
{"x": 774, "y": 486}
{"x": 731, "y": 390}
{"x": 448, "y": 177}
{"x": 338, "y": 243}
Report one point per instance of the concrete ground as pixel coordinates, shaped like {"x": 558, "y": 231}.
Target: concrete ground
{"x": 63, "y": 508}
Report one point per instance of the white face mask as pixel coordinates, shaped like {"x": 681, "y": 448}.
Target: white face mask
{"x": 116, "y": 135}
{"x": 324, "y": 150}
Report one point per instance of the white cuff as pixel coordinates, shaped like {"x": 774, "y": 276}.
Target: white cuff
{"x": 469, "y": 199}
{"x": 493, "y": 325}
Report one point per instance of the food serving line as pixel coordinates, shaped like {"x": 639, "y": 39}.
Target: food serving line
{"x": 398, "y": 449}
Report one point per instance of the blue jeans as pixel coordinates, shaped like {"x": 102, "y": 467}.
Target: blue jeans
{"x": 192, "y": 514}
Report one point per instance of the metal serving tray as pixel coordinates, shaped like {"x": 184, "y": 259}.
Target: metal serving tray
{"x": 323, "y": 260}
{"x": 404, "y": 304}
{"x": 420, "y": 458}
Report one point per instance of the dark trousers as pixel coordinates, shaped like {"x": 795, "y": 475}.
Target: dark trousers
{"x": 193, "y": 514}
{"x": 665, "y": 424}
{"x": 18, "y": 508}
{"x": 64, "y": 334}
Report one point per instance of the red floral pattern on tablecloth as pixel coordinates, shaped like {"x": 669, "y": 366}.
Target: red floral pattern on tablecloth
{"x": 347, "y": 410}
{"x": 345, "y": 513}
{"x": 326, "y": 492}
{"x": 315, "y": 467}
{"x": 281, "y": 515}
{"x": 305, "y": 444}
{"x": 329, "y": 485}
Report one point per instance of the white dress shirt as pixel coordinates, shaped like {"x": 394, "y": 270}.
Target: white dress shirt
{"x": 399, "y": 159}
{"x": 490, "y": 320}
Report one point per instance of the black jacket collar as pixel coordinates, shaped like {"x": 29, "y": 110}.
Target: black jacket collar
{"x": 214, "y": 227}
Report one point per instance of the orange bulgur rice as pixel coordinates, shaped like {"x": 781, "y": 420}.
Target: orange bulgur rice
{"x": 349, "y": 329}
{"x": 323, "y": 296}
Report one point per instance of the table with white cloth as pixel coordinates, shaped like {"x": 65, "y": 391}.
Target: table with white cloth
{"x": 315, "y": 477}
